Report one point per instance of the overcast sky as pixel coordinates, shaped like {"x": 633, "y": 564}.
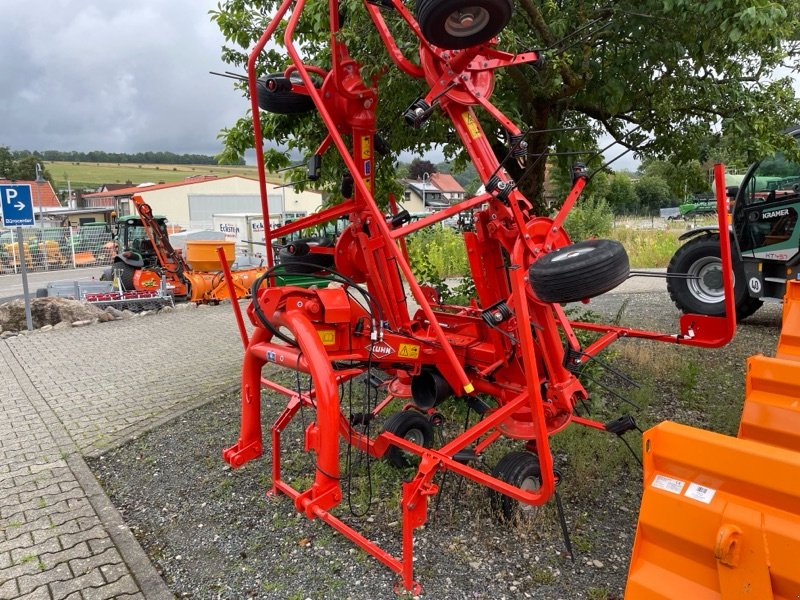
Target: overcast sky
{"x": 113, "y": 75}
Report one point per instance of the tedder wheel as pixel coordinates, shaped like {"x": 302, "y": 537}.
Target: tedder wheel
{"x": 125, "y": 274}
{"x": 311, "y": 262}
{"x": 409, "y": 425}
{"x": 282, "y": 102}
{"x": 520, "y": 469}
{"x": 700, "y": 258}
{"x": 41, "y": 293}
{"x": 458, "y": 24}
{"x": 579, "y": 271}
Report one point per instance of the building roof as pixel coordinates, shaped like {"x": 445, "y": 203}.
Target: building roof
{"x": 42, "y": 193}
{"x": 446, "y": 183}
{"x": 131, "y": 190}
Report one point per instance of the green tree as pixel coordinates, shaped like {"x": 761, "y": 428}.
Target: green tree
{"x": 418, "y": 168}
{"x": 621, "y": 195}
{"x": 672, "y": 69}
{"x": 653, "y": 193}
{"x": 683, "y": 179}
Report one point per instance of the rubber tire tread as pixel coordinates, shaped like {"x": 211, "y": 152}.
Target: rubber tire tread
{"x": 42, "y": 293}
{"x": 400, "y": 424}
{"x": 126, "y": 273}
{"x": 684, "y": 300}
{"x": 584, "y": 276}
{"x": 432, "y": 15}
{"x": 323, "y": 261}
{"x": 282, "y": 102}
{"x": 513, "y": 469}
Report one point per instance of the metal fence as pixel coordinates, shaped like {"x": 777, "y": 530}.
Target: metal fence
{"x": 54, "y": 248}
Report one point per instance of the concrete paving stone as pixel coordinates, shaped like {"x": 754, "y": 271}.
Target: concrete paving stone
{"x": 62, "y": 588}
{"x": 51, "y": 545}
{"x": 29, "y": 583}
{"x": 109, "y": 561}
{"x": 51, "y": 489}
{"x": 67, "y": 555}
{"x": 70, "y": 539}
{"x": 5, "y": 561}
{"x": 30, "y": 566}
{"x": 11, "y": 499}
{"x": 100, "y": 544}
{"x": 22, "y": 541}
{"x": 74, "y": 596}
{"x": 8, "y": 588}
{"x": 40, "y": 593}
{"x": 123, "y": 585}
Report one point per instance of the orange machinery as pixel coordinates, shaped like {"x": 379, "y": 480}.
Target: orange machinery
{"x": 188, "y": 283}
{"x": 720, "y": 516}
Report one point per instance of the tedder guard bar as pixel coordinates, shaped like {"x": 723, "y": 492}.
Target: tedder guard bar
{"x": 507, "y": 345}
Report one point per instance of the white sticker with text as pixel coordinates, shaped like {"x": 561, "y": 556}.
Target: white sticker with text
{"x": 700, "y": 493}
{"x": 674, "y": 486}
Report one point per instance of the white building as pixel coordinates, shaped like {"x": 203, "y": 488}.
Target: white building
{"x": 191, "y": 203}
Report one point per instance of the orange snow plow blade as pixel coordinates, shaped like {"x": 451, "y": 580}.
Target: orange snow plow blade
{"x": 720, "y": 519}
{"x": 789, "y": 342}
{"x": 771, "y": 411}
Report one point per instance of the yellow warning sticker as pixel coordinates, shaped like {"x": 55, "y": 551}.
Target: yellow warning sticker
{"x": 364, "y": 146}
{"x": 328, "y": 336}
{"x": 472, "y": 124}
{"x": 408, "y": 351}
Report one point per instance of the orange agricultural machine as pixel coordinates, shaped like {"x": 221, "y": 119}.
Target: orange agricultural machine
{"x": 147, "y": 256}
{"x": 511, "y": 355}
{"x": 720, "y": 516}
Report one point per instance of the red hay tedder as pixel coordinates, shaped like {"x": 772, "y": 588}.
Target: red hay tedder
{"x": 508, "y": 345}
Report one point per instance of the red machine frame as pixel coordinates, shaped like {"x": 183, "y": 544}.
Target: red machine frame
{"x": 521, "y": 362}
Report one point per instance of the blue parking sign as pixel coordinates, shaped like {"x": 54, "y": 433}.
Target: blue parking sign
{"x": 17, "y": 205}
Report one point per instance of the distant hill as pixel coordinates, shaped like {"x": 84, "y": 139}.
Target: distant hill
{"x": 100, "y": 156}
{"x": 94, "y": 174}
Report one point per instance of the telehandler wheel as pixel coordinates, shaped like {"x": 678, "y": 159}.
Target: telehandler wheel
{"x": 310, "y": 262}
{"x": 705, "y": 295}
{"x": 282, "y": 102}
{"x": 412, "y": 426}
{"x": 459, "y": 24}
{"x": 520, "y": 469}
{"x": 579, "y": 271}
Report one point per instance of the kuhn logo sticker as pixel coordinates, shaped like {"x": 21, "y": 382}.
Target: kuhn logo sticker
{"x": 775, "y": 213}
{"x": 380, "y": 349}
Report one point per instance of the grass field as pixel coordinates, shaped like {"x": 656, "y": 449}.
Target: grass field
{"x": 92, "y": 175}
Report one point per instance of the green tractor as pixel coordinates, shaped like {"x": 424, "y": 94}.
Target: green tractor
{"x": 765, "y": 244}
{"x": 135, "y": 251}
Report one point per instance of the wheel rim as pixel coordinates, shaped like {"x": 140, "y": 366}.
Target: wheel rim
{"x": 415, "y": 436}
{"x": 572, "y": 254}
{"x": 467, "y": 21}
{"x": 529, "y": 484}
{"x": 706, "y": 283}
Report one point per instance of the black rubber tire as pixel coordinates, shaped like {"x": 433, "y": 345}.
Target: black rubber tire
{"x": 282, "y": 102}
{"x": 313, "y": 262}
{"x": 410, "y": 425}
{"x": 520, "y": 469}
{"x": 434, "y": 18}
{"x": 579, "y": 271}
{"x": 701, "y": 256}
{"x": 126, "y": 273}
{"x": 41, "y": 293}
{"x": 108, "y": 275}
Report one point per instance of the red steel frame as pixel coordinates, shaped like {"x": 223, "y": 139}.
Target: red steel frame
{"x": 520, "y": 363}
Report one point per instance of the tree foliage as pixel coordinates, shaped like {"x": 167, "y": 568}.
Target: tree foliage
{"x": 653, "y": 193}
{"x": 621, "y": 195}
{"x": 21, "y": 167}
{"x": 680, "y": 74}
{"x": 684, "y": 179}
{"x": 418, "y": 168}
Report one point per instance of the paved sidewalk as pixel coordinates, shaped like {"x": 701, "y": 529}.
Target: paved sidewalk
{"x": 65, "y": 394}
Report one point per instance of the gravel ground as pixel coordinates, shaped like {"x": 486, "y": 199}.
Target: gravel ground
{"x": 213, "y": 533}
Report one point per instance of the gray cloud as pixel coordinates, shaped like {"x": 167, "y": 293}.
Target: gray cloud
{"x": 113, "y": 75}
